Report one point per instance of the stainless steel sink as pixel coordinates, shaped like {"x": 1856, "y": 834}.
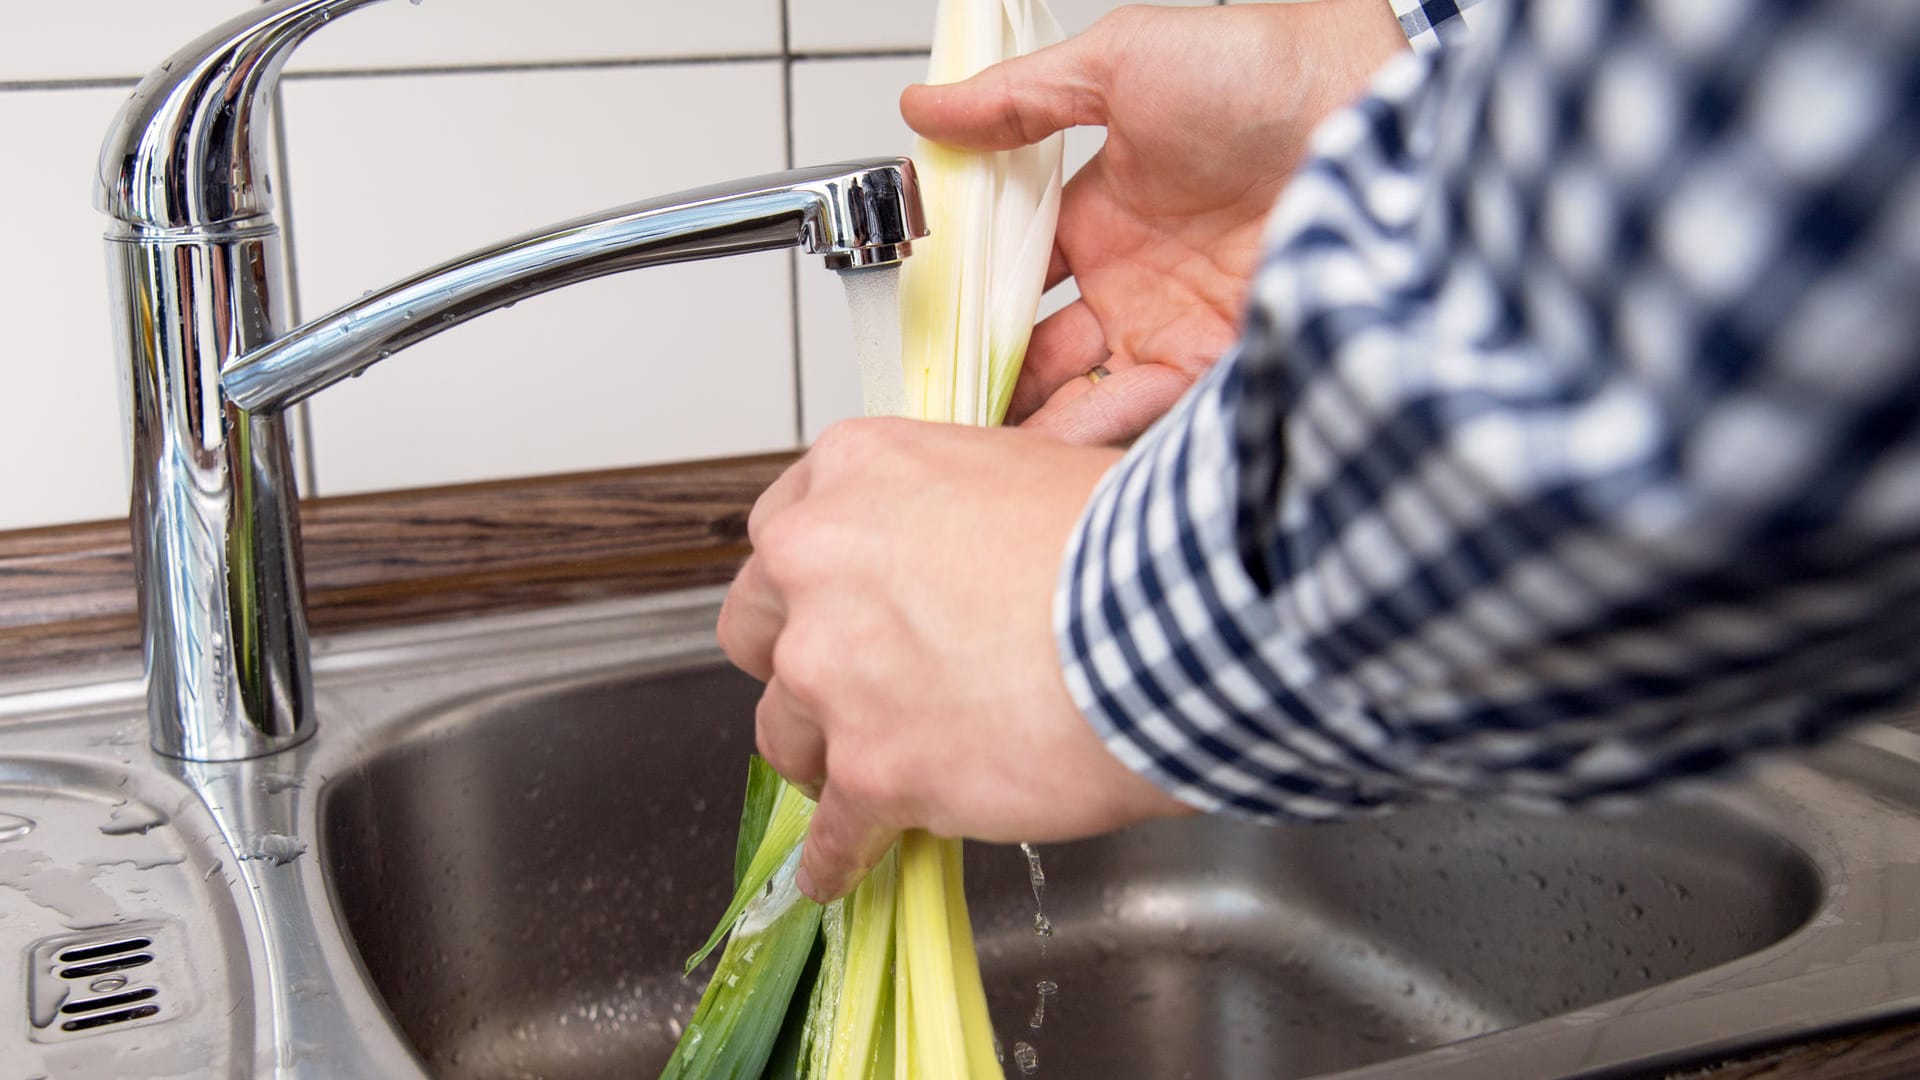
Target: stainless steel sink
{"x": 525, "y": 872}
{"x": 510, "y": 832}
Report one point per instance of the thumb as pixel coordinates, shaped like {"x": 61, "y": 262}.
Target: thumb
{"x": 840, "y": 848}
{"x": 1016, "y": 102}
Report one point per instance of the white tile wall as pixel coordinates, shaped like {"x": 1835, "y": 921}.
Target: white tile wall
{"x": 91, "y": 39}
{"x": 818, "y": 26}
{"x": 551, "y": 110}
{"x": 434, "y": 33}
{"x": 675, "y": 362}
{"x": 61, "y": 446}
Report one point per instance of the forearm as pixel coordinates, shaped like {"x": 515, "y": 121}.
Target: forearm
{"x": 1534, "y": 477}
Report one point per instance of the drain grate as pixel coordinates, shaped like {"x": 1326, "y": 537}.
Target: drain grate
{"x": 98, "y": 982}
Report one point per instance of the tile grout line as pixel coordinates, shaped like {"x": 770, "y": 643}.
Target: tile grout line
{"x": 683, "y": 60}
{"x": 793, "y": 258}
{"x": 307, "y": 460}
{"x": 115, "y": 82}
{"x": 104, "y": 82}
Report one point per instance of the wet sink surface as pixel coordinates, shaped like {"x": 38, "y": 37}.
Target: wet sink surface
{"x": 524, "y": 874}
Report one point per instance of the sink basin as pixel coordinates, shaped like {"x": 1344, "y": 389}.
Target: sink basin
{"x": 509, "y": 832}
{"x": 525, "y": 873}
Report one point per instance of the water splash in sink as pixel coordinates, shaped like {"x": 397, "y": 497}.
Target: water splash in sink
{"x": 132, "y": 818}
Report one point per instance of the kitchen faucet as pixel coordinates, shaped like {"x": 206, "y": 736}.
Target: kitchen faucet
{"x": 194, "y": 259}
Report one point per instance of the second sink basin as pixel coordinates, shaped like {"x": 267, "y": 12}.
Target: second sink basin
{"x": 524, "y": 873}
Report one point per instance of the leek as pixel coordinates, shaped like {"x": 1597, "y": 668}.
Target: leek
{"x": 891, "y": 983}
{"x": 969, "y": 293}
{"x": 769, "y": 928}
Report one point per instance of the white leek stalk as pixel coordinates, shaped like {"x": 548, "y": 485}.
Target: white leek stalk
{"x": 968, "y": 297}
{"x": 897, "y": 993}
{"x": 969, "y": 293}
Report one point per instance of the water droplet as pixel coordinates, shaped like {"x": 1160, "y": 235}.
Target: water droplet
{"x": 275, "y": 783}
{"x": 1027, "y": 1058}
{"x": 130, "y": 818}
{"x": 277, "y": 848}
{"x": 1042, "y": 926}
{"x": 1036, "y": 876}
{"x": 13, "y": 827}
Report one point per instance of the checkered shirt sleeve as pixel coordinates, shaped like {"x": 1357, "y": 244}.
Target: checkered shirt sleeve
{"x": 1429, "y": 24}
{"x": 1570, "y": 446}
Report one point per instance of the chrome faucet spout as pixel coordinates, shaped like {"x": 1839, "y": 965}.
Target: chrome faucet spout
{"x": 195, "y": 267}
{"x": 860, "y": 213}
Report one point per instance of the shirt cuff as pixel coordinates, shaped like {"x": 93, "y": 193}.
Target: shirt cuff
{"x": 1188, "y": 673}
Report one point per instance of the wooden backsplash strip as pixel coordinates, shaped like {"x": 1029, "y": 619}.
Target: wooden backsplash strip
{"x": 66, "y": 593}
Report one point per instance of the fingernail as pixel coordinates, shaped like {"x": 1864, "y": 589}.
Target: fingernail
{"x": 803, "y": 881}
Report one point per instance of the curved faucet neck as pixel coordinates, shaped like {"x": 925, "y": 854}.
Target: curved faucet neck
{"x": 185, "y": 153}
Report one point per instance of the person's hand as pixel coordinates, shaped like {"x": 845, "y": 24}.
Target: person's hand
{"x": 1207, "y": 111}
{"x": 898, "y": 606}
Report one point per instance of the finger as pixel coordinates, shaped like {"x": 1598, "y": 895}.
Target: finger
{"x": 841, "y": 847}
{"x": 786, "y": 489}
{"x": 1016, "y": 102}
{"x": 787, "y": 735}
{"x": 1115, "y": 410}
{"x": 1063, "y": 347}
{"x": 751, "y": 618}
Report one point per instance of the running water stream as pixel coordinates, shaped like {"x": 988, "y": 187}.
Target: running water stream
{"x": 873, "y": 299}
{"x": 1024, "y": 1055}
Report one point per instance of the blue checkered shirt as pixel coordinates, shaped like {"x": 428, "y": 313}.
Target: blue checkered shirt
{"x": 1430, "y": 23}
{"x": 1570, "y": 446}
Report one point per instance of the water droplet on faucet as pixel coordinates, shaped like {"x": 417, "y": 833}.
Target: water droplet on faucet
{"x": 276, "y": 848}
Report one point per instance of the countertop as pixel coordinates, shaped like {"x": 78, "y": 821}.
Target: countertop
{"x": 67, "y": 601}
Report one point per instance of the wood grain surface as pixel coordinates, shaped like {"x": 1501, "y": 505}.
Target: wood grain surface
{"x": 1888, "y": 1052}
{"x": 67, "y": 597}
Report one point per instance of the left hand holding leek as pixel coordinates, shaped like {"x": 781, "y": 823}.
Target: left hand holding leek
{"x": 1207, "y": 112}
{"x": 898, "y": 606}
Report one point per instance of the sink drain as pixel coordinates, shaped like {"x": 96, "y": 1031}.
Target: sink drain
{"x": 101, "y": 981}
